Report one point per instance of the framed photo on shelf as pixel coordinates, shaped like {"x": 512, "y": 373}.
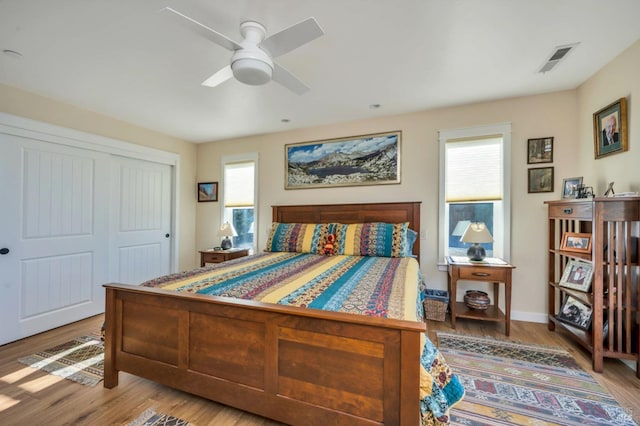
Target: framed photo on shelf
{"x": 207, "y": 191}
{"x": 540, "y": 179}
{"x": 577, "y": 275}
{"x": 575, "y": 313}
{"x": 578, "y": 242}
{"x": 540, "y": 150}
{"x": 570, "y": 187}
{"x": 610, "y": 129}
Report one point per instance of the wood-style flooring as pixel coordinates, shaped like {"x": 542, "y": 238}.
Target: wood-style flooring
{"x": 30, "y": 398}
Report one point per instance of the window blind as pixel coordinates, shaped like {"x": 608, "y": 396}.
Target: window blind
{"x": 238, "y": 184}
{"x": 473, "y": 169}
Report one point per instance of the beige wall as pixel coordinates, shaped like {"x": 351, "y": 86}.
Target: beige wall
{"x": 536, "y": 116}
{"x": 567, "y": 116}
{"x": 620, "y": 78}
{"x": 24, "y": 104}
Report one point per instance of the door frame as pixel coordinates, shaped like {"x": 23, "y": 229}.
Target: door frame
{"x": 38, "y": 130}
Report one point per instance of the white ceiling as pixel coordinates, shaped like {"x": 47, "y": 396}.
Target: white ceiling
{"x": 129, "y": 60}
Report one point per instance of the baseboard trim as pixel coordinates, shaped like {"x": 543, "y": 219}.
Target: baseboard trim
{"x": 529, "y": 316}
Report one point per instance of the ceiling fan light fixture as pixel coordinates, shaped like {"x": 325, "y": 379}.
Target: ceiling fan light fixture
{"x": 252, "y": 71}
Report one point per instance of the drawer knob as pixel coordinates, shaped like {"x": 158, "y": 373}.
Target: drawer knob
{"x": 480, "y": 274}
{"x": 568, "y": 210}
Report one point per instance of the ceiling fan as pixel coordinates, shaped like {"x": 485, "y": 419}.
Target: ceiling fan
{"x": 252, "y": 60}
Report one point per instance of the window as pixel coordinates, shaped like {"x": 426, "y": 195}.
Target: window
{"x": 239, "y": 198}
{"x": 475, "y": 187}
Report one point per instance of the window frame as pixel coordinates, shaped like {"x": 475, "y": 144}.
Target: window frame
{"x": 241, "y": 158}
{"x": 479, "y": 132}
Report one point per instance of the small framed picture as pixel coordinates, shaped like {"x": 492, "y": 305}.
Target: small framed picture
{"x": 575, "y": 313}
{"x": 207, "y": 191}
{"x": 577, "y": 275}
{"x": 540, "y": 179}
{"x": 610, "y": 129}
{"x": 578, "y": 242}
{"x": 570, "y": 187}
{"x": 540, "y": 150}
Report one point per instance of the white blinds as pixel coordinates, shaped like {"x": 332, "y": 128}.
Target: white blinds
{"x": 473, "y": 169}
{"x": 239, "y": 184}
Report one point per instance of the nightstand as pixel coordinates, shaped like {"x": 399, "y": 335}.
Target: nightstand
{"x": 219, "y": 256}
{"x": 491, "y": 270}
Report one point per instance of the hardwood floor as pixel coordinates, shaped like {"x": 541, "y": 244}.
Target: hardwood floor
{"x": 29, "y": 397}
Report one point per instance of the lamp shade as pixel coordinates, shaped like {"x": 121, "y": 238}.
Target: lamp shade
{"x": 227, "y": 230}
{"x": 476, "y": 232}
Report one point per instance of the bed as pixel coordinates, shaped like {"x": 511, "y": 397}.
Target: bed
{"x": 289, "y": 363}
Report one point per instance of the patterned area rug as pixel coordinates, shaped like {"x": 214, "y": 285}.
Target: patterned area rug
{"x": 510, "y": 383}
{"x": 151, "y": 418}
{"x": 80, "y": 360}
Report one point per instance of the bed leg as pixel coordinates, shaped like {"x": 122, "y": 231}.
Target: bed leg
{"x": 110, "y": 372}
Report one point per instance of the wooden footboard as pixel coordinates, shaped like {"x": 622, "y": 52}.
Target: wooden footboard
{"x": 295, "y": 365}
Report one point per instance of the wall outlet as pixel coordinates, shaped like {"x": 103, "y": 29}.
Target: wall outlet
{"x": 423, "y": 235}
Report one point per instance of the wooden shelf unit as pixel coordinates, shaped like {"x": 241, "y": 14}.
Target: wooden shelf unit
{"x": 614, "y": 224}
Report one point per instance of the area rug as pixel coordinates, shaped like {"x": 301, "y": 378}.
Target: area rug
{"x": 80, "y": 360}
{"x": 151, "y": 418}
{"x": 509, "y": 383}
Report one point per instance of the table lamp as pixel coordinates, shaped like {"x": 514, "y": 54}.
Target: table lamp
{"x": 475, "y": 234}
{"x": 226, "y": 230}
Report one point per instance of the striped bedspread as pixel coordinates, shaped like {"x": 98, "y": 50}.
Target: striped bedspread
{"x": 373, "y": 286}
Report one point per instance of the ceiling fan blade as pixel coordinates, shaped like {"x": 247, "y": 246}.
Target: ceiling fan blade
{"x": 292, "y": 37}
{"x": 220, "y": 77}
{"x": 288, "y": 80}
{"x": 211, "y": 34}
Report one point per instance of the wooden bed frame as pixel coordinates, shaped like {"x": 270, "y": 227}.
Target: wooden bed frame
{"x": 294, "y": 365}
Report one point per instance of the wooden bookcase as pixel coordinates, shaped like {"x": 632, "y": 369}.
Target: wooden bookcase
{"x": 614, "y": 296}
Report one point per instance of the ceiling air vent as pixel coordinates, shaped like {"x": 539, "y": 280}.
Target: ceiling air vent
{"x": 558, "y": 54}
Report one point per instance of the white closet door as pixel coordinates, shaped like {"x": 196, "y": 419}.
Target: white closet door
{"x": 53, "y": 223}
{"x": 141, "y": 220}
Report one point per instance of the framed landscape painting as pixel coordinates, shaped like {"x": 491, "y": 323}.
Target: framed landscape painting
{"x": 207, "y": 191}
{"x": 358, "y": 160}
{"x": 540, "y": 150}
{"x": 540, "y": 179}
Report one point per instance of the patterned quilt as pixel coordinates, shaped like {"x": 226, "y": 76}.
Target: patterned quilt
{"x": 374, "y": 286}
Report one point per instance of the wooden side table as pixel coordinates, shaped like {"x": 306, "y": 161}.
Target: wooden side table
{"x": 219, "y": 256}
{"x": 492, "y": 270}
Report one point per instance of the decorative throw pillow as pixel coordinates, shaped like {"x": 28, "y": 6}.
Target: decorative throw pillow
{"x": 374, "y": 239}
{"x": 299, "y": 237}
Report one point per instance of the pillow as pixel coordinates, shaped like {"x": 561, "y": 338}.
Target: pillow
{"x": 374, "y": 239}
{"x": 299, "y": 237}
{"x": 411, "y": 239}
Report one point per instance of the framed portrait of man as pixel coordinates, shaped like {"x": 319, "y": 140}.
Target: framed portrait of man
{"x": 610, "y": 129}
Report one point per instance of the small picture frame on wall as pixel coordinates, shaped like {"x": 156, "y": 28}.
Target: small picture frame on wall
{"x": 540, "y": 179}
{"x": 570, "y": 187}
{"x": 207, "y": 191}
{"x": 610, "y": 129}
{"x": 540, "y": 150}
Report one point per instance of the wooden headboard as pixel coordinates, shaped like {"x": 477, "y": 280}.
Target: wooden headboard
{"x": 353, "y": 213}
